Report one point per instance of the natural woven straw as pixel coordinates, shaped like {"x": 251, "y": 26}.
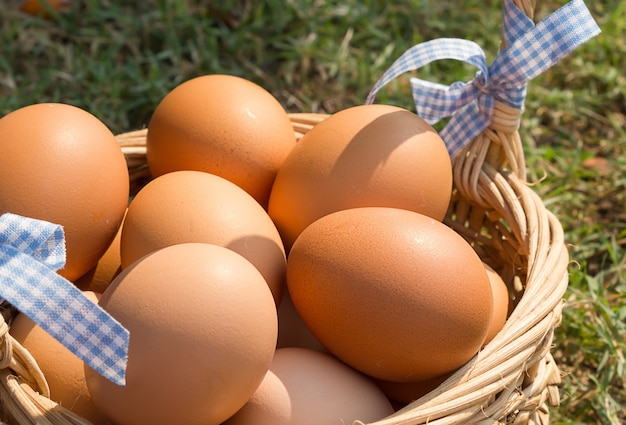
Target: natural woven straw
{"x": 514, "y": 379}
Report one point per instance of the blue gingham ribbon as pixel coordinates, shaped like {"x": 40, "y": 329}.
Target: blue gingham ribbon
{"x": 31, "y": 251}
{"x": 531, "y": 50}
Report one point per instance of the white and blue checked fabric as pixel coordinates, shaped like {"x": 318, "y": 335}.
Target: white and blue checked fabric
{"x": 531, "y": 49}
{"x": 31, "y": 251}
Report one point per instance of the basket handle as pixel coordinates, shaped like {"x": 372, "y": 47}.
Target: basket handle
{"x": 499, "y": 87}
{"x": 499, "y": 145}
{"x": 505, "y": 123}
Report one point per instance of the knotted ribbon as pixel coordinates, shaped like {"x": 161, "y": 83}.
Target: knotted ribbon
{"x": 31, "y": 251}
{"x": 531, "y": 49}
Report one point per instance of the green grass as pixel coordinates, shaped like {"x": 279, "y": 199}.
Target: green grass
{"x": 118, "y": 60}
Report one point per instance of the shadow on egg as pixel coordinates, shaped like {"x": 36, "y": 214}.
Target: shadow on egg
{"x": 375, "y": 142}
{"x": 263, "y": 252}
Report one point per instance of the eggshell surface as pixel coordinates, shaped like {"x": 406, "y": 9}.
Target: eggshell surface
{"x": 194, "y": 206}
{"x": 406, "y": 392}
{"x": 393, "y": 293}
{"x": 108, "y": 267}
{"x": 61, "y": 164}
{"x": 64, "y": 372}
{"x": 203, "y": 330}
{"x": 221, "y": 124}
{"x": 366, "y": 155}
{"x": 305, "y": 387}
{"x": 501, "y": 302}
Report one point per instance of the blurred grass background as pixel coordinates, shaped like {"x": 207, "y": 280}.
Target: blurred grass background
{"x": 118, "y": 59}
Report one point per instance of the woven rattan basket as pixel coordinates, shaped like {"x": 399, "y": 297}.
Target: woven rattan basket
{"x": 513, "y": 380}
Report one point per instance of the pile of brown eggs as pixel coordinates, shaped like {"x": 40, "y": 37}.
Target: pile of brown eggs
{"x": 263, "y": 280}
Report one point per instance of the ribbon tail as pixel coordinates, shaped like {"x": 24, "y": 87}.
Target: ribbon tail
{"x": 40, "y": 239}
{"x": 63, "y": 311}
{"x": 515, "y": 23}
{"x": 553, "y": 38}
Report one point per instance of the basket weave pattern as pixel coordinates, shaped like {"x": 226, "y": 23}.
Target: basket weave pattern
{"x": 514, "y": 379}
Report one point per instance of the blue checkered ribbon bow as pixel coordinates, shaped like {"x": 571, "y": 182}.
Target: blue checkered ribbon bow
{"x": 531, "y": 50}
{"x": 31, "y": 251}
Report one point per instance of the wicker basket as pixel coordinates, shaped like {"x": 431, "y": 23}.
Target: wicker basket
{"x": 514, "y": 379}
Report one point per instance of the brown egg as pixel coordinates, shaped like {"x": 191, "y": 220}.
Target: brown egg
{"x": 367, "y": 155}
{"x": 64, "y": 372}
{"x": 395, "y": 294}
{"x": 203, "y": 330}
{"x": 305, "y": 387}
{"x": 61, "y": 164}
{"x": 221, "y": 124}
{"x": 193, "y": 206}
{"x": 501, "y": 302}
{"x": 109, "y": 266}
{"x": 406, "y": 392}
